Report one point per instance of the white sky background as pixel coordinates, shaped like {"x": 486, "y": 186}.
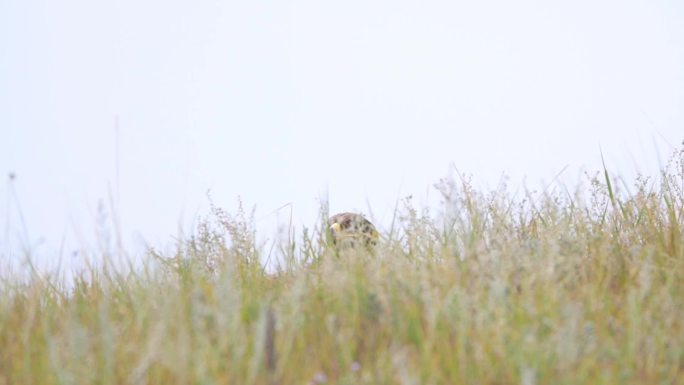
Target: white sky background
{"x": 286, "y": 101}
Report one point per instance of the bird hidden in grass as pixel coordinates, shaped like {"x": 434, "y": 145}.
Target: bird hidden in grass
{"x": 349, "y": 230}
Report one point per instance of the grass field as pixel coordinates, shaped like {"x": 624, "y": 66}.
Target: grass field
{"x": 548, "y": 287}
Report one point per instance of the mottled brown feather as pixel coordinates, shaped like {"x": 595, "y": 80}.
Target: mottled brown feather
{"x": 353, "y": 227}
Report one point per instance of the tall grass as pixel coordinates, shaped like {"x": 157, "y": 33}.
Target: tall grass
{"x": 549, "y": 287}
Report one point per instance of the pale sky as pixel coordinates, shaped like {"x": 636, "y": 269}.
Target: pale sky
{"x": 286, "y": 102}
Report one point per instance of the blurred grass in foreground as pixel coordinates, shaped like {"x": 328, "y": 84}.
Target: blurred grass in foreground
{"x": 551, "y": 287}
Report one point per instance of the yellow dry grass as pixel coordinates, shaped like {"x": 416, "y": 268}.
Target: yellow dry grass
{"x": 550, "y": 288}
